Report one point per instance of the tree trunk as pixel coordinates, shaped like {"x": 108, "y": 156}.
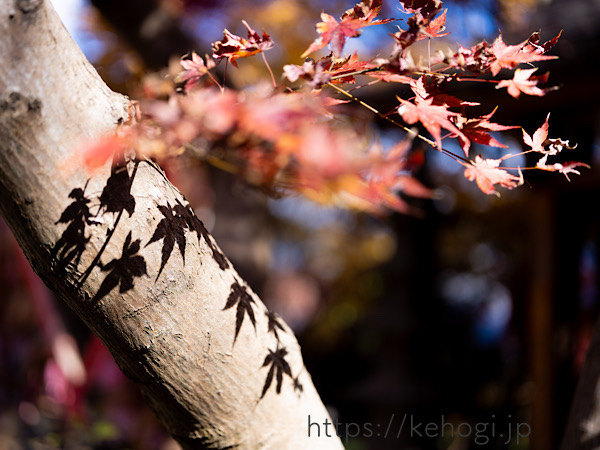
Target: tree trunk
{"x": 583, "y": 427}
{"x": 123, "y": 248}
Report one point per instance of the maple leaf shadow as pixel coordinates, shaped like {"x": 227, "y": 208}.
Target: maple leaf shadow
{"x": 115, "y": 198}
{"x": 196, "y": 225}
{"x": 239, "y": 295}
{"x": 297, "y": 385}
{"x": 171, "y": 230}
{"x": 72, "y": 243}
{"x": 123, "y": 270}
{"x": 274, "y": 324}
{"x": 279, "y": 367}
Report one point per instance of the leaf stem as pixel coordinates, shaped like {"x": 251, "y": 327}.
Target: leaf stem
{"x": 269, "y": 69}
{"x": 357, "y": 72}
{"x": 212, "y": 77}
{"x": 461, "y": 160}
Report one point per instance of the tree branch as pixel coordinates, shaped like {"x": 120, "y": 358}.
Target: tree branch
{"x": 168, "y": 305}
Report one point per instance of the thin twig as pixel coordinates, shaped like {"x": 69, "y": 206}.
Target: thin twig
{"x": 461, "y": 160}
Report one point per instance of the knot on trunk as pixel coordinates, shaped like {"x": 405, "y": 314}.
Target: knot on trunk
{"x": 27, "y": 6}
{"x": 14, "y": 105}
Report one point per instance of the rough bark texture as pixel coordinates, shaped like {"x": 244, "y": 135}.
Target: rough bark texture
{"x": 583, "y": 427}
{"x": 125, "y": 251}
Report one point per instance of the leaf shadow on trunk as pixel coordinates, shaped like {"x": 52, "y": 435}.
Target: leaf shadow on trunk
{"x": 123, "y": 270}
{"x": 172, "y": 230}
{"x": 69, "y": 248}
{"x": 279, "y": 368}
{"x": 115, "y": 198}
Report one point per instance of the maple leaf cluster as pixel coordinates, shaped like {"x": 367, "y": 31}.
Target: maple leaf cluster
{"x": 297, "y": 137}
{"x": 280, "y": 141}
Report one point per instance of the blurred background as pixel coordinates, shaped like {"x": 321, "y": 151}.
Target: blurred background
{"x": 479, "y": 312}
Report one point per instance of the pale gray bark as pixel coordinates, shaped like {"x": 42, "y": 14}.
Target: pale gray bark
{"x": 173, "y": 331}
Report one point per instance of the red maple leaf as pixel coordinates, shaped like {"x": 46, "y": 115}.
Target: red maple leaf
{"x": 423, "y": 12}
{"x": 567, "y": 168}
{"x": 423, "y": 7}
{"x": 532, "y": 44}
{"x": 335, "y": 33}
{"x": 234, "y": 47}
{"x": 477, "y": 129}
{"x": 433, "y": 117}
{"x": 510, "y": 56}
{"x": 486, "y": 174}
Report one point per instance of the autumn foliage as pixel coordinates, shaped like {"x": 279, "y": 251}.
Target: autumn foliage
{"x": 297, "y": 134}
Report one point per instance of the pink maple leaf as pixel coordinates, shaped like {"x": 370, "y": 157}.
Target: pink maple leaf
{"x": 315, "y": 73}
{"x": 510, "y": 56}
{"x": 486, "y": 174}
{"x": 433, "y": 117}
{"x": 539, "y": 137}
{"x": 194, "y": 70}
{"x": 565, "y": 168}
{"x": 522, "y": 83}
